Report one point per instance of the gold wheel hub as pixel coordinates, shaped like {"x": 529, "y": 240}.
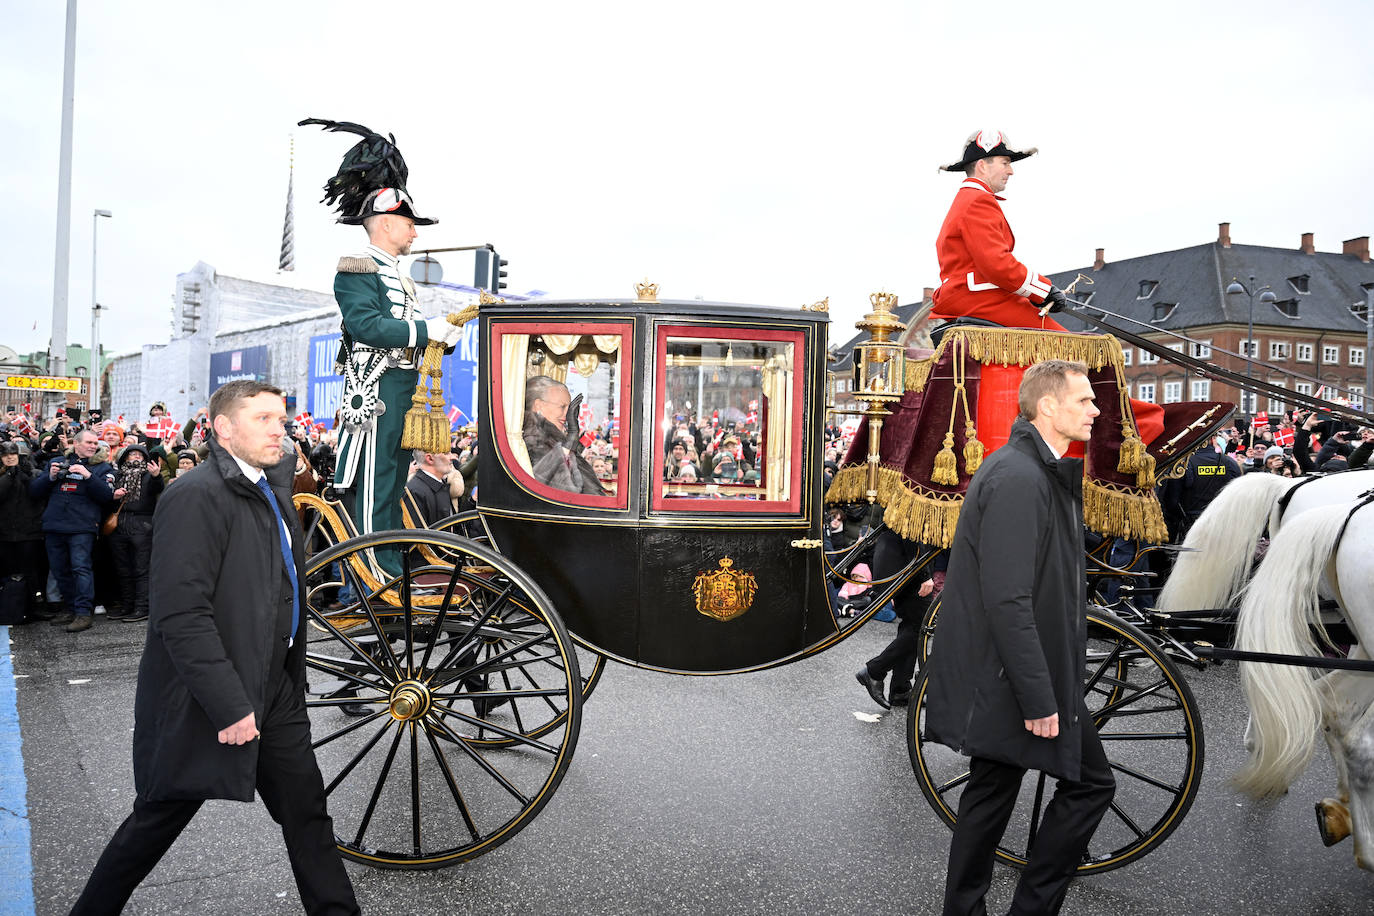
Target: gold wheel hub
{"x": 409, "y": 700}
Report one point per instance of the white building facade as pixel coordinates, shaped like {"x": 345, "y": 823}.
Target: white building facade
{"x": 228, "y": 327}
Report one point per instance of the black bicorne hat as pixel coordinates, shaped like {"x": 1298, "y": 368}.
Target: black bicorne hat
{"x": 371, "y": 178}
{"x": 983, "y": 144}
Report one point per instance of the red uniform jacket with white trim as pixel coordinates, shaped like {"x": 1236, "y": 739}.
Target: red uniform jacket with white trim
{"x": 979, "y": 275}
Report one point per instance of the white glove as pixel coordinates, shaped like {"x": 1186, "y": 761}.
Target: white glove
{"x": 440, "y": 331}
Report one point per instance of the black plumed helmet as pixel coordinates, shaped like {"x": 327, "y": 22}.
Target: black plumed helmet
{"x": 371, "y": 178}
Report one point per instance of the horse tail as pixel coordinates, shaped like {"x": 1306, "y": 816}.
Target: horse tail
{"x": 1279, "y": 611}
{"x": 1220, "y": 546}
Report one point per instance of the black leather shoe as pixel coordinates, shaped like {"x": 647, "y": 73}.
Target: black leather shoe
{"x": 900, "y": 698}
{"x": 356, "y": 710}
{"x": 874, "y": 687}
{"x": 133, "y": 616}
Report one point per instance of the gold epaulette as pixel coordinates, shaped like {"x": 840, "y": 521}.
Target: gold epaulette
{"x": 357, "y": 264}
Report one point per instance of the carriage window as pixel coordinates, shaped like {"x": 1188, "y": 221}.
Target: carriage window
{"x": 557, "y": 389}
{"x": 729, "y": 411}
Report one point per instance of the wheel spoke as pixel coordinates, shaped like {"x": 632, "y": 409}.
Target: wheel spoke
{"x": 515, "y": 736}
{"x": 377, "y": 789}
{"x": 945, "y": 788}
{"x": 452, "y": 783}
{"x": 383, "y": 640}
{"x": 442, "y": 616}
{"x": 482, "y": 762}
{"x": 360, "y": 655}
{"x": 1126, "y": 819}
{"x": 1111, "y": 709}
{"x": 348, "y": 729}
{"x": 471, "y": 635}
{"x": 408, "y": 613}
{"x": 1145, "y": 778}
{"x": 1102, "y": 668}
{"x": 415, "y": 844}
{"x": 358, "y": 757}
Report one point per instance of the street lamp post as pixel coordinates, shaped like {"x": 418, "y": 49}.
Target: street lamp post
{"x": 1265, "y": 295}
{"x": 94, "y": 402}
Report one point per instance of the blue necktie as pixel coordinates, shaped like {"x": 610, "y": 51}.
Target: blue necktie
{"x": 287, "y": 557}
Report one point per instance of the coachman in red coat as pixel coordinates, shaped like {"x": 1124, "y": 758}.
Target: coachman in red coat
{"x": 980, "y": 276}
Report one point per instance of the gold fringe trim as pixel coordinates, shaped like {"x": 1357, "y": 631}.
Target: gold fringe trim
{"x": 1022, "y": 347}
{"x": 927, "y": 518}
{"x": 917, "y": 373}
{"x": 1123, "y": 512}
{"x": 930, "y": 518}
{"x": 1018, "y": 347}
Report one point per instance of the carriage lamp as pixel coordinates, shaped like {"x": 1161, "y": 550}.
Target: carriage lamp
{"x": 880, "y": 374}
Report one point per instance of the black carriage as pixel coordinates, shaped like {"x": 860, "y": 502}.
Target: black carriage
{"x": 471, "y": 665}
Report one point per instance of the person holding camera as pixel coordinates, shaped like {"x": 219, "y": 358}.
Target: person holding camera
{"x": 138, "y": 489}
{"x": 21, "y": 535}
{"x": 79, "y": 491}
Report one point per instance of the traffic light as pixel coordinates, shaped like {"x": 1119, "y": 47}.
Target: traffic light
{"x": 489, "y": 273}
{"x": 498, "y": 271}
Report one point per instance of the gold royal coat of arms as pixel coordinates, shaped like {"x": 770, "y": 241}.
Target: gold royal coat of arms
{"x": 725, "y": 593}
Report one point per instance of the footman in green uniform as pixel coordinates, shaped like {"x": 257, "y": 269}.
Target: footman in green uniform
{"x": 383, "y": 334}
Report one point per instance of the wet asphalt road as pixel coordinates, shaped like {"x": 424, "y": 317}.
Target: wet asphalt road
{"x": 760, "y": 793}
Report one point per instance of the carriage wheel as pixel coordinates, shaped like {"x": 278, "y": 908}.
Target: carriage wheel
{"x": 471, "y": 693}
{"x": 1151, "y": 730}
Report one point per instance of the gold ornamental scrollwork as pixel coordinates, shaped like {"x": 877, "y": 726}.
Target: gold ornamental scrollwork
{"x": 725, "y": 593}
{"x": 822, "y": 306}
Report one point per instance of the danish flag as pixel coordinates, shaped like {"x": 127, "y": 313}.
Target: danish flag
{"x": 303, "y": 418}
{"x": 1283, "y": 437}
{"x": 454, "y": 415}
{"x": 163, "y": 427}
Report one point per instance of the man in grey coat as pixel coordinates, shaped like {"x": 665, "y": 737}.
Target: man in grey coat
{"x": 220, "y": 706}
{"x": 1006, "y": 671}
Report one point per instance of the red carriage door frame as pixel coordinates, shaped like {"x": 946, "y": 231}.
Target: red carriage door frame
{"x": 717, "y": 503}
{"x": 624, "y": 366}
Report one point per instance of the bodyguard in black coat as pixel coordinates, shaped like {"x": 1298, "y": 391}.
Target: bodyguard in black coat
{"x": 220, "y": 707}
{"x": 1006, "y": 668}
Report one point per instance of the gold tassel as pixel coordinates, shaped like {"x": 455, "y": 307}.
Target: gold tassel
{"x": 946, "y": 472}
{"x": 1132, "y": 451}
{"x": 1145, "y": 473}
{"x": 418, "y": 429}
{"x": 973, "y": 449}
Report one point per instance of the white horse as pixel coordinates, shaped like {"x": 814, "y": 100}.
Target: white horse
{"x": 1314, "y": 552}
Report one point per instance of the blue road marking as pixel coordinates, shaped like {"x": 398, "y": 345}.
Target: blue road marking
{"x": 16, "y": 866}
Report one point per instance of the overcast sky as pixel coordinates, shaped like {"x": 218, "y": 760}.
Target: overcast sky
{"x": 774, "y": 153}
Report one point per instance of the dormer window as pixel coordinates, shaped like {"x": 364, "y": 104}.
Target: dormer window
{"x": 1163, "y": 310}
{"x": 1287, "y": 307}
{"x": 1300, "y": 283}
{"x": 1147, "y": 289}
{"x": 1360, "y": 310}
